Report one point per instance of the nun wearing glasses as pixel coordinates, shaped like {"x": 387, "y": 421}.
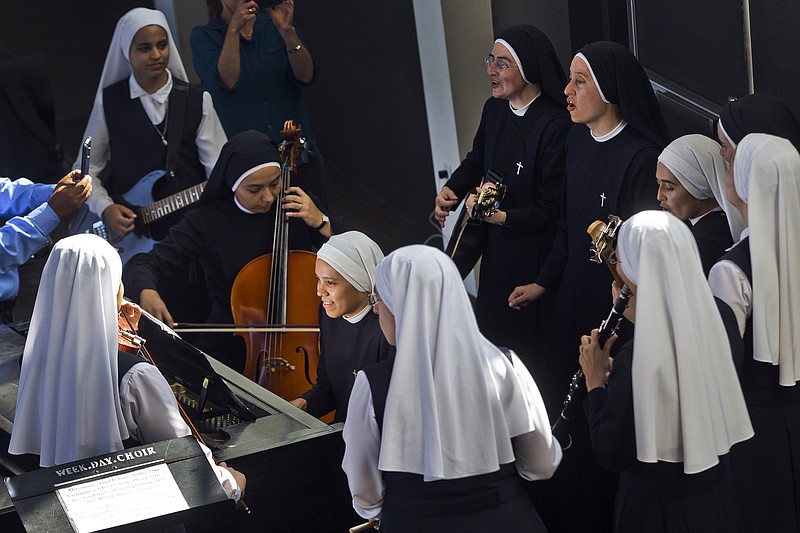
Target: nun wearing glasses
{"x": 527, "y": 103}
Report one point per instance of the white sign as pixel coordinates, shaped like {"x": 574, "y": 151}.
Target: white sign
{"x": 122, "y": 499}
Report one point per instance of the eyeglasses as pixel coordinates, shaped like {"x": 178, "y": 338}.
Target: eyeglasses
{"x": 500, "y": 64}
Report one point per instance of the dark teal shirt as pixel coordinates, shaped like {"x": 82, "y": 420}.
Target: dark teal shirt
{"x": 267, "y": 93}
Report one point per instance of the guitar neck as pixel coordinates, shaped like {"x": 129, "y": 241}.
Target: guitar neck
{"x": 166, "y": 206}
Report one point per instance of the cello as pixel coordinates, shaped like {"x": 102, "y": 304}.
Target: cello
{"x": 278, "y": 289}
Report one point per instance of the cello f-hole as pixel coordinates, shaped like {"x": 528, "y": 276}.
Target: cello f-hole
{"x": 306, "y": 364}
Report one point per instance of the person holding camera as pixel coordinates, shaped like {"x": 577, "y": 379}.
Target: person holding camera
{"x": 521, "y": 139}
{"x": 255, "y": 63}
{"x": 32, "y": 211}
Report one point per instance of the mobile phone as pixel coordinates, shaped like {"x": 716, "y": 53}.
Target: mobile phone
{"x": 86, "y": 156}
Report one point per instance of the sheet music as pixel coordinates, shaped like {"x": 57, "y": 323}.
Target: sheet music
{"x": 122, "y": 499}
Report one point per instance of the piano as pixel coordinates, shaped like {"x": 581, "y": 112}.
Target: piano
{"x": 292, "y": 460}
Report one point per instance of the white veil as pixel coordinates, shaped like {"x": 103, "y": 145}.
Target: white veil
{"x": 68, "y": 406}
{"x": 696, "y": 162}
{"x": 687, "y": 401}
{"x": 118, "y": 66}
{"x": 455, "y": 400}
{"x": 767, "y": 177}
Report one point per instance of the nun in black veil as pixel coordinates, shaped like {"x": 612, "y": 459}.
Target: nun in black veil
{"x": 755, "y": 113}
{"x": 233, "y": 223}
{"x": 527, "y": 83}
{"x": 611, "y": 163}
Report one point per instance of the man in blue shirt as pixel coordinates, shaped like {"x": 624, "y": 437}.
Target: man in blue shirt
{"x": 36, "y": 210}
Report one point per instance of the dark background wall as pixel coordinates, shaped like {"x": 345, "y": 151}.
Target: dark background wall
{"x": 74, "y": 38}
{"x": 368, "y": 110}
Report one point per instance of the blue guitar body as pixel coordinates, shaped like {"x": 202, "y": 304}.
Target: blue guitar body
{"x": 140, "y": 194}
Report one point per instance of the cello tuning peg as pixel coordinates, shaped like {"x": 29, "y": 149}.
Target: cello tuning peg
{"x": 305, "y": 152}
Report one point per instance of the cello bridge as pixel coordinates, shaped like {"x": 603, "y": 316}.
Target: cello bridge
{"x": 278, "y": 363}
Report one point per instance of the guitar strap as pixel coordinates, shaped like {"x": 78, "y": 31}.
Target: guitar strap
{"x": 177, "y": 112}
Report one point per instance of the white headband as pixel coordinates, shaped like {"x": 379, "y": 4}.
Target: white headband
{"x": 596, "y": 83}
{"x": 515, "y": 56}
{"x": 254, "y": 169}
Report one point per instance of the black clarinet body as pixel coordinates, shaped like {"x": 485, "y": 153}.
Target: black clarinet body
{"x": 577, "y": 390}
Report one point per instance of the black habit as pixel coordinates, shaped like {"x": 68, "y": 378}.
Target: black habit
{"x": 515, "y": 251}
{"x": 767, "y": 466}
{"x": 344, "y": 349}
{"x": 654, "y": 496}
{"x": 488, "y": 502}
{"x": 713, "y": 237}
{"x": 602, "y": 178}
{"x": 224, "y": 239}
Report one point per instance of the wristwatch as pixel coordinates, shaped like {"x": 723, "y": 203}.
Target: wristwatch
{"x": 325, "y": 220}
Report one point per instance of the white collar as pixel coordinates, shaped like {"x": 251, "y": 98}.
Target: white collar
{"x": 241, "y": 207}
{"x": 160, "y": 96}
{"x": 611, "y": 134}
{"x": 522, "y": 110}
{"x": 358, "y": 317}
{"x": 745, "y": 233}
{"x": 696, "y": 219}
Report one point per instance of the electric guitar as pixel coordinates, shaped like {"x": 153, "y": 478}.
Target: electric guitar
{"x": 148, "y": 210}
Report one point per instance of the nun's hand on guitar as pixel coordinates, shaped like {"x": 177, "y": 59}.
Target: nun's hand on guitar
{"x": 119, "y": 219}
{"x": 445, "y": 201}
{"x": 151, "y": 301}
{"x": 498, "y": 218}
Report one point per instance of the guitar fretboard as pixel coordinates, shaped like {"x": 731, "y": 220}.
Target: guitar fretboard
{"x": 170, "y": 204}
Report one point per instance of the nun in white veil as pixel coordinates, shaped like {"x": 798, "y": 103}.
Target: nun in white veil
{"x": 695, "y": 163}
{"x": 439, "y": 435}
{"x": 72, "y": 404}
{"x": 758, "y": 278}
{"x": 72, "y": 342}
{"x": 210, "y": 137}
{"x": 672, "y": 407}
{"x": 350, "y": 337}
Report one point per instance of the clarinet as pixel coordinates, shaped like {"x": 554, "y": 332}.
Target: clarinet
{"x": 577, "y": 391}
